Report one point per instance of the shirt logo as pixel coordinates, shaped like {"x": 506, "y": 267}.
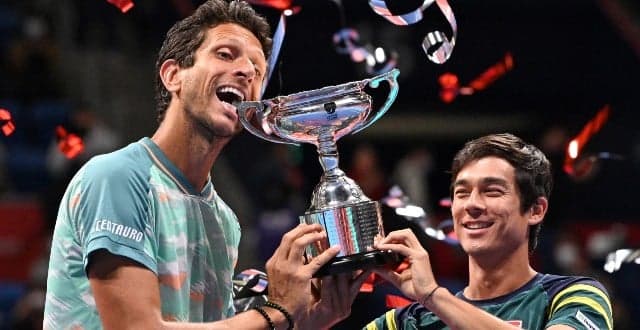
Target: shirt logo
{"x": 586, "y": 321}
{"x": 517, "y": 323}
{"x": 118, "y": 229}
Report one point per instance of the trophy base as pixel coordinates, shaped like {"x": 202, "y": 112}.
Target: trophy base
{"x": 362, "y": 261}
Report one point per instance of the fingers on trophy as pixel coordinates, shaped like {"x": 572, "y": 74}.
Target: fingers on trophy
{"x": 321, "y": 117}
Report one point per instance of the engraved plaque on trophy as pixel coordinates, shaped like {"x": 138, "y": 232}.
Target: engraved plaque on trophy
{"x": 321, "y": 117}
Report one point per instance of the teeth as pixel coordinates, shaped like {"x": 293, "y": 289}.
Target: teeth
{"x": 229, "y": 89}
{"x": 477, "y": 225}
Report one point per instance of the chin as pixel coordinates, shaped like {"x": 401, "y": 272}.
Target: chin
{"x": 474, "y": 248}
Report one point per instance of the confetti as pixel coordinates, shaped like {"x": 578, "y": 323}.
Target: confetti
{"x": 449, "y": 87}
{"x": 436, "y": 44}
{"x": 575, "y": 146}
{"x": 71, "y": 145}
{"x": 276, "y": 4}
{"x": 347, "y": 41}
{"x": 278, "y": 38}
{"x": 6, "y": 123}
{"x": 123, "y": 5}
{"x": 492, "y": 73}
{"x": 380, "y": 8}
{"x": 393, "y": 301}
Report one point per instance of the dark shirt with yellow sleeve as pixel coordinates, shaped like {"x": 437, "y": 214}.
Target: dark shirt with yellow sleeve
{"x": 546, "y": 300}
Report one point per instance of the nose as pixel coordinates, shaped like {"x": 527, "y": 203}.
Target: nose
{"x": 474, "y": 204}
{"x": 245, "y": 69}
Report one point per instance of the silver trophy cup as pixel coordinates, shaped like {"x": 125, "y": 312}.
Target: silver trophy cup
{"x": 321, "y": 117}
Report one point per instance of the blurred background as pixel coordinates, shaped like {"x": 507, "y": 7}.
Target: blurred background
{"x": 76, "y": 80}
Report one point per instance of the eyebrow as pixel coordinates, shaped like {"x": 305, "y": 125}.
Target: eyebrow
{"x": 484, "y": 181}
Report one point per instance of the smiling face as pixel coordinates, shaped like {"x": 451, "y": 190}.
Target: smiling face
{"x": 229, "y": 67}
{"x": 486, "y": 209}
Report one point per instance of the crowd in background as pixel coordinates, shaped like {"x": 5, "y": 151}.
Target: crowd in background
{"x": 34, "y": 173}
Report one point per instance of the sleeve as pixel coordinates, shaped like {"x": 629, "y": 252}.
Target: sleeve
{"x": 384, "y": 322}
{"x": 583, "y": 305}
{"x": 411, "y": 317}
{"x": 110, "y": 208}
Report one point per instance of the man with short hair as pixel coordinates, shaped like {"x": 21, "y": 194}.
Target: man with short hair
{"x": 142, "y": 239}
{"x": 500, "y": 190}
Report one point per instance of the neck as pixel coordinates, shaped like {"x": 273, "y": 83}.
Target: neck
{"x": 191, "y": 152}
{"x": 499, "y": 275}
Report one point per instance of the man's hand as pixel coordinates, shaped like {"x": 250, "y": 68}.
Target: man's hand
{"x": 314, "y": 303}
{"x": 333, "y": 297}
{"x": 417, "y": 280}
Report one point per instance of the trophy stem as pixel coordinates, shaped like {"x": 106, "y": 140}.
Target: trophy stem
{"x": 328, "y": 153}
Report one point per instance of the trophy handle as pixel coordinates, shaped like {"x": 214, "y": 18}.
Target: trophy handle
{"x": 392, "y": 78}
{"x": 242, "y": 108}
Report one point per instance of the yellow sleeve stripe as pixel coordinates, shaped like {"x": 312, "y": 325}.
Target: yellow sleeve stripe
{"x": 577, "y": 287}
{"x": 589, "y": 302}
{"x": 391, "y": 319}
{"x": 372, "y": 326}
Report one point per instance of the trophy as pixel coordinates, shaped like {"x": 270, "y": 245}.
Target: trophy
{"x": 321, "y": 117}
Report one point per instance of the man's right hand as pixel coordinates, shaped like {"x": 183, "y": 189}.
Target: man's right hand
{"x": 290, "y": 280}
{"x": 289, "y": 276}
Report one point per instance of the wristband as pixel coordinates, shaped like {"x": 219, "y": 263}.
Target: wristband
{"x": 266, "y": 317}
{"x": 283, "y": 311}
{"x": 423, "y": 301}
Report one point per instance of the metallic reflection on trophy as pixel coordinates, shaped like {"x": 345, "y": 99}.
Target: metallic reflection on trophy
{"x": 321, "y": 117}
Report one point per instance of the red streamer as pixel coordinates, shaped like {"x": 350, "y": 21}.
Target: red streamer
{"x": 69, "y": 144}
{"x": 577, "y": 144}
{"x": 277, "y": 4}
{"x": 123, "y": 5}
{"x": 493, "y": 73}
{"x": 6, "y": 124}
{"x": 450, "y": 87}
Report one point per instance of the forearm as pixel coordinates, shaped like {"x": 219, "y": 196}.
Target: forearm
{"x": 458, "y": 314}
{"x": 249, "y": 320}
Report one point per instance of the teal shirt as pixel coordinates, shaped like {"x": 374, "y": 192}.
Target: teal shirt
{"x": 135, "y": 203}
{"x": 546, "y": 300}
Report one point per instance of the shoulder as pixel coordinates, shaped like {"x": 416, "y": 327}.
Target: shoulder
{"x": 126, "y": 162}
{"x": 557, "y": 285}
{"x": 577, "y": 299}
{"x": 128, "y": 166}
{"x": 116, "y": 176}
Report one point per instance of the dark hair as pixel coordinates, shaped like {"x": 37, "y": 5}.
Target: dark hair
{"x": 184, "y": 37}
{"x": 532, "y": 169}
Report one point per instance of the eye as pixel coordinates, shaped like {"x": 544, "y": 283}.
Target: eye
{"x": 224, "y": 54}
{"x": 494, "y": 192}
{"x": 460, "y": 193}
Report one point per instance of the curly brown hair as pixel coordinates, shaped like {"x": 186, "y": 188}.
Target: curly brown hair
{"x": 532, "y": 169}
{"x": 186, "y": 35}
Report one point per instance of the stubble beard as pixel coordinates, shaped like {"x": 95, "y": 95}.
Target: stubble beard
{"x": 207, "y": 128}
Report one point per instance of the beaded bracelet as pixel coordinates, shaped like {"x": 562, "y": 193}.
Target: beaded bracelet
{"x": 266, "y": 317}
{"x": 283, "y": 311}
{"x": 423, "y": 301}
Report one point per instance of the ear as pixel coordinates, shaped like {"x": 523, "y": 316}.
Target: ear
{"x": 169, "y": 75}
{"x": 538, "y": 211}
